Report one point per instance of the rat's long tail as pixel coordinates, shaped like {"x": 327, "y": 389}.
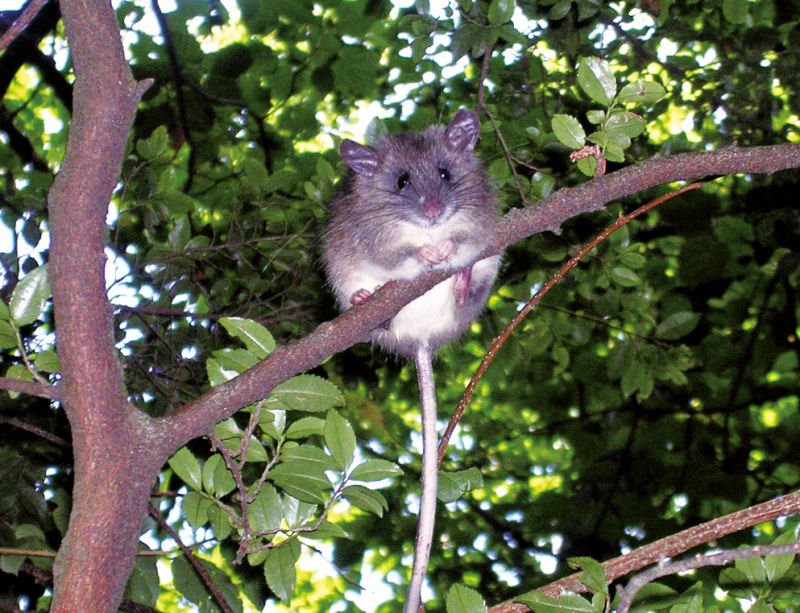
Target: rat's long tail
{"x": 430, "y": 478}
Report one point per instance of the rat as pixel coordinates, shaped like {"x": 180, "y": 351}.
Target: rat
{"x": 412, "y": 203}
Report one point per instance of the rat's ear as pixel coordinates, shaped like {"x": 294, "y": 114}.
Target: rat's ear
{"x": 360, "y": 159}
{"x": 462, "y": 133}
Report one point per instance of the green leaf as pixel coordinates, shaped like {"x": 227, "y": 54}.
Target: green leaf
{"x": 256, "y": 337}
{"x": 143, "y": 586}
{"x": 47, "y": 361}
{"x": 177, "y": 202}
{"x": 453, "y": 485}
{"x": 366, "y": 499}
{"x": 235, "y": 360}
{"x": 326, "y": 530}
{"x": 597, "y": 80}
{"x": 266, "y": 511}
{"x": 501, "y": 11}
{"x": 593, "y": 575}
{"x": 150, "y": 148}
{"x": 624, "y": 276}
{"x": 297, "y": 512}
{"x": 375, "y": 470}
{"x": 677, "y": 325}
{"x": 196, "y": 507}
{"x": 735, "y": 11}
{"x": 623, "y": 126}
{"x": 217, "y": 479}
{"x": 220, "y": 522}
{"x": 569, "y": 131}
{"x": 180, "y": 234}
{"x": 777, "y": 566}
{"x": 301, "y": 479}
{"x": 30, "y": 296}
{"x": 753, "y": 569}
{"x": 340, "y": 439}
{"x": 307, "y": 393}
{"x": 279, "y": 569}
{"x": 8, "y": 338}
{"x": 653, "y": 597}
{"x": 642, "y": 92}
{"x": 187, "y": 468}
{"x": 461, "y": 599}
{"x": 567, "y": 603}
{"x": 305, "y": 428}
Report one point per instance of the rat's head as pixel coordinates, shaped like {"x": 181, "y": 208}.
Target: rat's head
{"x": 421, "y": 178}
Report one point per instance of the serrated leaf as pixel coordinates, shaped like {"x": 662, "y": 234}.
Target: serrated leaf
{"x": 653, "y": 597}
{"x": 461, "y": 599}
{"x": 266, "y": 511}
{"x": 297, "y": 512}
{"x": 30, "y": 296}
{"x": 453, "y": 485}
{"x": 8, "y": 338}
{"x": 220, "y": 522}
{"x": 150, "y": 148}
{"x": 47, "y": 361}
{"x": 568, "y": 131}
{"x": 340, "y": 440}
{"x": 186, "y": 466}
{"x": 256, "y": 337}
{"x": 366, "y": 499}
{"x": 753, "y": 569}
{"x": 375, "y": 470}
{"x": 280, "y": 571}
{"x": 777, "y": 566}
{"x": 567, "y": 603}
{"x": 597, "y": 80}
{"x": 642, "y": 92}
{"x": 217, "y": 479}
{"x": 677, "y": 325}
{"x": 326, "y": 530}
{"x": 306, "y": 427}
{"x": 195, "y": 507}
{"x": 627, "y": 124}
{"x": 307, "y": 393}
{"x": 235, "y": 360}
{"x": 593, "y": 575}
{"x": 302, "y": 480}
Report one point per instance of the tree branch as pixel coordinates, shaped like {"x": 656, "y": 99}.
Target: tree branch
{"x": 199, "y": 416}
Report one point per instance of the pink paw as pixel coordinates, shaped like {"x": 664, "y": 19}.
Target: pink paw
{"x": 431, "y": 255}
{"x": 463, "y": 279}
{"x": 360, "y": 297}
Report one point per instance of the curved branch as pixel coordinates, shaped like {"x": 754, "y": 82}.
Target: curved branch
{"x": 199, "y": 416}
{"x": 32, "y": 388}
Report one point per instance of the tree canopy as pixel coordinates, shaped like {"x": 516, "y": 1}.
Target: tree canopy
{"x": 165, "y": 172}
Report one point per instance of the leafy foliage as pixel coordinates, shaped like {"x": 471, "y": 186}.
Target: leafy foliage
{"x": 655, "y": 389}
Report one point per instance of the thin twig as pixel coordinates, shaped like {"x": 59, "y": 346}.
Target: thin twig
{"x": 500, "y": 340}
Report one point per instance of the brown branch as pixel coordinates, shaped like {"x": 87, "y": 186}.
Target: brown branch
{"x": 497, "y": 343}
{"x": 201, "y": 570}
{"x": 722, "y": 558}
{"x": 197, "y": 417}
{"x": 18, "y": 423}
{"x": 671, "y": 546}
{"x": 21, "y": 22}
{"x": 31, "y": 388}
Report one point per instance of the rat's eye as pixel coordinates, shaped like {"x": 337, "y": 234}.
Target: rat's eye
{"x": 444, "y": 174}
{"x": 402, "y": 180}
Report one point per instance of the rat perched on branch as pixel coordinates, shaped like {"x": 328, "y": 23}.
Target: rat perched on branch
{"x": 412, "y": 203}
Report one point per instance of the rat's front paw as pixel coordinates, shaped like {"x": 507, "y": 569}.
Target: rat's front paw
{"x": 360, "y": 297}
{"x": 431, "y": 255}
